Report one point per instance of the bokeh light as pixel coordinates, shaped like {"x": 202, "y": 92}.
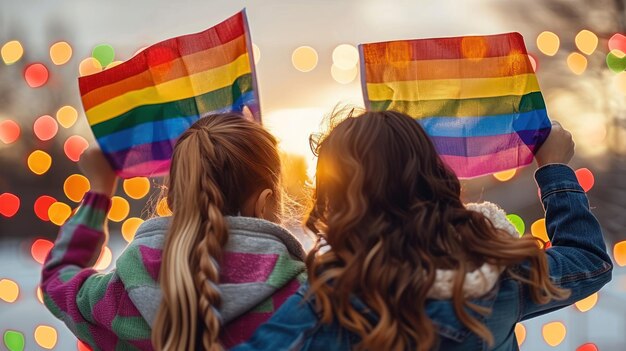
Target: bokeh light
{"x": 9, "y": 290}
{"x": 14, "y": 340}
{"x": 533, "y": 62}
{"x": 42, "y": 205}
{"x": 9, "y": 131}
{"x": 45, "y": 128}
{"x": 113, "y": 64}
{"x": 505, "y": 175}
{"x": 585, "y": 178}
{"x": 256, "y": 52}
{"x": 9, "y": 204}
{"x": 67, "y": 116}
{"x": 129, "y": 228}
{"x": 60, "y": 53}
{"x": 520, "y": 333}
{"x": 616, "y": 61}
{"x": 36, "y": 75}
{"x": 40, "y": 249}
{"x": 104, "y": 260}
{"x": 104, "y": 53}
{"x": 538, "y": 229}
{"x": 119, "y": 209}
{"x": 39, "y": 294}
{"x": 46, "y": 336}
{"x": 587, "y": 303}
{"x": 81, "y": 346}
{"x": 619, "y": 253}
{"x": 136, "y": 188}
{"x": 587, "y": 347}
{"x": 304, "y": 58}
{"x": 517, "y": 222}
{"x": 553, "y": 333}
{"x": 586, "y": 41}
{"x": 75, "y": 187}
{"x": 39, "y": 162}
{"x": 345, "y": 57}
{"x": 344, "y": 76}
{"x": 577, "y": 63}
{"x": 548, "y": 43}
{"x": 11, "y": 52}
{"x": 89, "y": 66}
{"x": 162, "y": 209}
{"x": 59, "y": 212}
{"x": 618, "y": 42}
{"x": 74, "y": 146}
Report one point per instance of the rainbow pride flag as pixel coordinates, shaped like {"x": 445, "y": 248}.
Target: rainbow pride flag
{"x": 139, "y": 108}
{"x": 476, "y": 96}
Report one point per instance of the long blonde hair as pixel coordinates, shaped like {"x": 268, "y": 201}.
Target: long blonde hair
{"x": 218, "y": 164}
{"x": 391, "y": 213}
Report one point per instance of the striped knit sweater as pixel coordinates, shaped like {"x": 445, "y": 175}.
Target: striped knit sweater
{"x": 261, "y": 267}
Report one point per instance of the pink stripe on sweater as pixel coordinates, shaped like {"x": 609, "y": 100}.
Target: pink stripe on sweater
{"x": 246, "y": 267}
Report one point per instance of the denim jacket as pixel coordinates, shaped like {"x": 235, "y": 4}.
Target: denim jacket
{"x": 577, "y": 260}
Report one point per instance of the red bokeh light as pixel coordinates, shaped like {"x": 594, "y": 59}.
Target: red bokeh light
{"x": 587, "y": 347}
{"x": 81, "y": 346}
{"x": 9, "y": 204}
{"x": 36, "y": 75}
{"x": 40, "y": 250}
{"x": 9, "y": 131}
{"x": 74, "y": 147}
{"x": 618, "y": 42}
{"x": 42, "y": 204}
{"x": 45, "y": 127}
{"x": 585, "y": 178}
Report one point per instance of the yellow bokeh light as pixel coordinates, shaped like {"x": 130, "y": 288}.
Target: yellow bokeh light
{"x": 587, "y": 303}
{"x": 256, "y": 52}
{"x": 520, "y": 333}
{"x": 75, "y": 187}
{"x": 586, "y": 42}
{"x": 66, "y": 116}
{"x": 304, "y": 58}
{"x": 618, "y": 53}
{"x": 119, "y": 209}
{"x": 60, "y": 53}
{"x": 538, "y": 229}
{"x": 136, "y": 188}
{"x": 577, "y": 63}
{"x": 11, "y": 52}
{"x": 105, "y": 259}
{"x": 162, "y": 209}
{"x": 89, "y": 66}
{"x": 46, "y": 336}
{"x": 129, "y": 228}
{"x": 59, "y": 212}
{"x": 553, "y": 333}
{"x": 619, "y": 253}
{"x": 344, "y": 76}
{"x": 9, "y": 290}
{"x": 345, "y": 57}
{"x": 548, "y": 43}
{"x": 505, "y": 175}
{"x": 113, "y": 64}
{"x": 39, "y": 162}
{"x": 39, "y": 294}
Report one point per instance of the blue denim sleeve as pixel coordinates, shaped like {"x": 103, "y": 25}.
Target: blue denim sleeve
{"x": 577, "y": 260}
{"x": 287, "y": 329}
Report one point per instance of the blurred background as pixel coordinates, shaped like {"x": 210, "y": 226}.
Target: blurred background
{"x": 306, "y": 64}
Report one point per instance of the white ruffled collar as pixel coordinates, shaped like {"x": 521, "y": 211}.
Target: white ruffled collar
{"x": 482, "y": 280}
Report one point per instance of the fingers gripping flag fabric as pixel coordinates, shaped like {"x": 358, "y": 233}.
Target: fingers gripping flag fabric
{"x": 139, "y": 108}
{"x": 477, "y": 97}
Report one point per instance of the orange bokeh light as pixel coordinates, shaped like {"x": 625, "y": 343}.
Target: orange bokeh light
{"x": 136, "y": 188}
{"x": 39, "y": 162}
{"x": 553, "y": 333}
{"x": 619, "y": 253}
{"x": 9, "y": 290}
{"x": 89, "y": 66}
{"x": 9, "y": 204}
{"x": 39, "y": 294}
{"x": 9, "y": 131}
{"x": 520, "y": 333}
{"x": 74, "y": 146}
{"x": 162, "y": 209}
{"x": 59, "y": 212}
{"x": 66, "y": 116}
{"x": 60, "y": 53}
{"x": 129, "y": 228}
{"x": 587, "y": 303}
{"x": 46, "y": 336}
{"x": 36, "y": 75}
{"x": 538, "y": 229}
{"x": 105, "y": 259}
{"x": 40, "y": 249}
{"x": 45, "y": 128}
{"x": 75, "y": 187}
{"x": 119, "y": 209}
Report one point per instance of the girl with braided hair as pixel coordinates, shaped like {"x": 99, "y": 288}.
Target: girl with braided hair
{"x": 202, "y": 279}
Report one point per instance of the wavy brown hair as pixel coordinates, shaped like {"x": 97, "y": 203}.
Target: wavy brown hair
{"x": 218, "y": 163}
{"x": 390, "y": 212}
